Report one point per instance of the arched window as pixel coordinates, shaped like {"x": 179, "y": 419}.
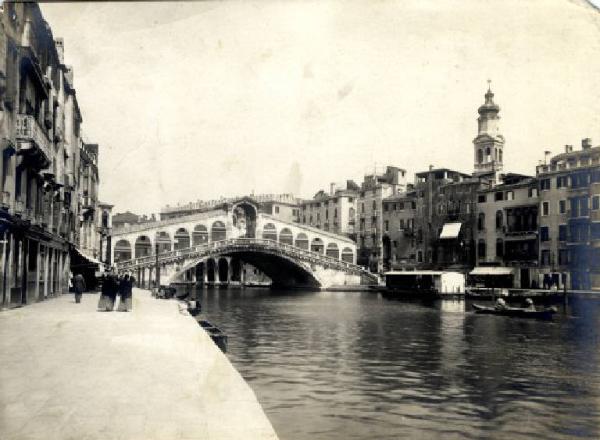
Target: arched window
{"x": 347, "y": 255}
{"x": 286, "y": 237}
{"x": 332, "y": 251}
{"x": 351, "y": 213}
{"x": 269, "y": 232}
{"x": 317, "y": 245}
{"x": 500, "y": 156}
{"x": 481, "y": 249}
{"x": 481, "y": 221}
{"x": 217, "y": 231}
{"x": 302, "y": 241}
{"x": 499, "y": 248}
{"x": 163, "y": 241}
{"x": 479, "y": 155}
{"x": 182, "y": 239}
{"x": 487, "y": 153}
{"x": 499, "y": 219}
{"x": 122, "y": 251}
{"x": 143, "y": 246}
{"x": 199, "y": 235}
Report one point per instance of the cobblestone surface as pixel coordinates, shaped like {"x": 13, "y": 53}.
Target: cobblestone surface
{"x": 70, "y": 372}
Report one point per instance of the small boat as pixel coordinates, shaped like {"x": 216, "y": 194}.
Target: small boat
{"x": 516, "y": 311}
{"x": 215, "y": 333}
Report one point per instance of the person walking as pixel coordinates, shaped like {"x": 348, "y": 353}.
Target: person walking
{"x": 124, "y": 292}
{"x": 109, "y": 293}
{"x": 78, "y": 286}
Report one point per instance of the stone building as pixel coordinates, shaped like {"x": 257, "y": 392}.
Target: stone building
{"x": 40, "y": 138}
{"x": 507, "y": 228}
{"x": 569, "y": 219}
{"x": 399, "y": 247}
{"x": 375, "y": 187}
{"x": 334, "y": 211}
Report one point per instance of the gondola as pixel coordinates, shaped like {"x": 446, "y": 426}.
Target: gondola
{"x": 516, "y": 312}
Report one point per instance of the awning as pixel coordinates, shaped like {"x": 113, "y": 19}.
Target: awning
{"x": 483, "y": 270}
{"x": 413, "y": 272}
{"x": 85, "y": 260}
{"x": 450, "y": 230}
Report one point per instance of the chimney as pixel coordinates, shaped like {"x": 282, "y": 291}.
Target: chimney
{"x": 568, "y": 148}
{"x": 60, "y": 49}
{"x": 586, "y": 144}
{"x": 331, "y": 188}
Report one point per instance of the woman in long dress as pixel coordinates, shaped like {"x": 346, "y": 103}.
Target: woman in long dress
{"x": 124, "y": 294}
{"x": 108, "y": 294}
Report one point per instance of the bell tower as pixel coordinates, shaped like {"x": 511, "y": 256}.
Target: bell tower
{"x": 489, "y": 143}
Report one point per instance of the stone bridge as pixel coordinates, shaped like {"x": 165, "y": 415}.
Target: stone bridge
{"x": 211, "y": 247}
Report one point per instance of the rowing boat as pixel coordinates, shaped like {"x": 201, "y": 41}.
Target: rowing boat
{"x": 516, "y": 312}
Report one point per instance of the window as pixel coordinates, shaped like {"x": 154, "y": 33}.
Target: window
{"x": 510, "y": 195}
{"x": 387, "y": 225}
{"x": 584, "y": 206}
{"x": 562, "y": 206}
{"x": 544, "y": 234}
{"x": 362, "y": 208}
{"x": 545, "y": 208}
{"x": 374, "y": 205}
{"x": 574, "y": 207}
{"x": 481, "y": 249}
{"x": 563, "y": 257}
{"x": 385, "y": 207}
{"x": 401, "y": 223}
{"x": 498, "y": 219}
{"x": 595, "y": 203}
{"x": 561, "y": 182}
{"x": 499, "y": 248}
{"x": 562, "y": 232}
{"x": 481, "y": 198}
{"x": 499, "y": 196}
{"x": 481, "y": 221}
{"x": 420, "y": 256}
{"x": 595, "y": 231}
{"x": 533, "y": 192}
{"x": 545, "y": 184}
{"x": 401, "y": 206}
{"x": 545, "y": 258}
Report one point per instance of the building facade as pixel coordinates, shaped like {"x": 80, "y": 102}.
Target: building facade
{"x": 40, "y": 138}
{"x": 334, "y": 211}
{"x": 375, "y": 187}
{"x": 569, "y": 188}
{"x": 399, "y": 245}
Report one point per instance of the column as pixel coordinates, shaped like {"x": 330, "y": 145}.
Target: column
{"x": 38, "y": 261}
{"x": 47, "y": 272}
{"x": 5, "y": 267}
{"x": 51, "y": 272}
{"x": 229, "y": 270}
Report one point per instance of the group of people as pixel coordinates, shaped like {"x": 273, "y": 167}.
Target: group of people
{"x": 113, "y": 285}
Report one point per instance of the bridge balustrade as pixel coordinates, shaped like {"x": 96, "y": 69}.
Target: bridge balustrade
{"x": 204, "y": 249}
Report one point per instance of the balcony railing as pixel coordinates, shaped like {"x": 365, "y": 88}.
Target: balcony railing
{"x": 29, "y": 130}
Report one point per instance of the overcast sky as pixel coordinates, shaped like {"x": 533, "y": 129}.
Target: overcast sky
{"x": 199, "y": 100}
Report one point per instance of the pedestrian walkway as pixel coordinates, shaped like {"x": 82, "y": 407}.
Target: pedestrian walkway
{"x": 70, "y": 372}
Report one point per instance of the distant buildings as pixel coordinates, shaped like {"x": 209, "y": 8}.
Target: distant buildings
{"x": 50, "y": 217}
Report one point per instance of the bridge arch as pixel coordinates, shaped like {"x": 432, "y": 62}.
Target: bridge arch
{"x": 163, "y": 241}
{"x": 122, "y": 250}
{"x": 333, "y": 251}
{"x": 244, "y": 219}
{"x": 217, "y": 231}
{"x": 317, "y": 245}
{"x": 223, "y": 269}
{"x": 143, "y": 246}
{"x": 302, "y": 241}
{"x": 182, "y": 239}
{"x": 269, "y": 232}
{"x": 286, "y": 237}
{"x": 199, "y": 235}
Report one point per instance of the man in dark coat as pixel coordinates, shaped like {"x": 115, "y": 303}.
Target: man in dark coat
{"x": 78, "y": 286}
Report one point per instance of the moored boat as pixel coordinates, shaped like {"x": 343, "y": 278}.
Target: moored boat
{"x": 518, "y": 312}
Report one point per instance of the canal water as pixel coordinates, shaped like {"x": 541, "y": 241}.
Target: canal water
{"x": 349, "y": 365}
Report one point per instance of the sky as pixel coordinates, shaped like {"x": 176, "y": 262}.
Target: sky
{"x": 198, "y": 100}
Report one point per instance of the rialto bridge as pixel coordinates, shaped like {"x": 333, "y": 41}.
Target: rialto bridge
{"x": 213, "y": 246}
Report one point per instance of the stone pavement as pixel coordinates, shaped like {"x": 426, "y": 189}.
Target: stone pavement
{"x": 70, "y": 372}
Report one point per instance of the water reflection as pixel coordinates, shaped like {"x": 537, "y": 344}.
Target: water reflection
{"x": 347, "y": 365}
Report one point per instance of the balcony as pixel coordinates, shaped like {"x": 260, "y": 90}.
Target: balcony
{"x": 32, "y": 141}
